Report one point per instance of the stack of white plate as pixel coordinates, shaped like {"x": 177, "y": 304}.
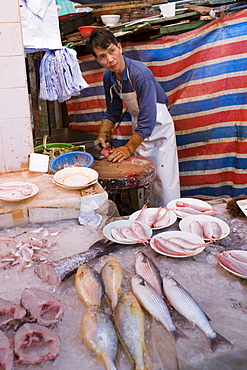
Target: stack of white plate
{"x": 75, "y": 178}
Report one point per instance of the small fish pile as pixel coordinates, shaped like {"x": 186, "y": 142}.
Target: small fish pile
{"x": 98, "y": 328}
{"x": 154, "y": 218}
{"x": 133, "y": 234}
{"x": 25, "y": 249}
{"x": 33, "y": 342}
{"x": 234, "y": 260}
{"x": 177, "y": 246}
{"x": 210, "y": 230}
{"x": 183, "y": 209}
{"x": 15, "y": 191}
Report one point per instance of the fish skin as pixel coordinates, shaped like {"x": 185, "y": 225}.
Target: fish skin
{"x": 185, "y": 244}
{"x": 99, "y": 334}
{"x": 55, "y": 272}
{"x": 148, "y": 270}
{"x": 185, "y": 304}
{"x": 112, "y": 277}
{"x": 129, "y": 322}
{"x": 151, "y": 300}
{"x": 197, "y": 207}
{"x": 89, "y": 285}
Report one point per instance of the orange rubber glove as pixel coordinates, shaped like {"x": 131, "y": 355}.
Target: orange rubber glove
{"x": 124, "y": 152}
{"x": 104, "y": 133}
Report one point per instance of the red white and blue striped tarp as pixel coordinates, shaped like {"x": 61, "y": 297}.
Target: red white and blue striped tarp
{"x": 204, "y": 73}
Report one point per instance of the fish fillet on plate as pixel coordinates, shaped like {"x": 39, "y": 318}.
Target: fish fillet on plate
{"x": 116, "y": 232}
{"x": 177, "y": 244}
{"x": 184, "y": 207}
{"x": 156, "y": 218}
{"x": 17, "y": 190}
{"x": 207, "y": 227}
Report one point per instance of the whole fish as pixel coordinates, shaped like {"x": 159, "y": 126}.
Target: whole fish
{"x": 208, "y": 230}
{"x": 99, "y": 334}
{"x": 186, "y": 244}
{"x": 118, "y": 235}
{"x": 164, "y": 218}
{"x": 57, "y": 271}
{"x": 183, "y": 302}
{"x": 152, "y": 301}
{"x": 233, "y": 262}
{"x": 147, "y": 269}
{"x": 129, "y": 322}
{"x": 196, "y": 228}
{"x": 166, "y": 246}
{"x": 89, "y": 285}
{"x": 129, "y": 234}
{"x": 112, "y": 277}
{"x": 216, "y": 230}
{"x": 139, "y": 231}
{"x": 198, "y": 207}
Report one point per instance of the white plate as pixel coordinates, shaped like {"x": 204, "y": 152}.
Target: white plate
{"x": 172, "y": 204}
{"x": 34, "y": 189}
{"x": 232, "y": 271}
{"x": 184, "y": 224}
{"x": 119, "y": 224}
{"x": 179, "y": 234}
{"x": 64, "y": 186}
{"x": 76, "y": 178}
{"x": 152, "y": 211}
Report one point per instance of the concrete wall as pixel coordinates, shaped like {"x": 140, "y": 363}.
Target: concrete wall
{"x": 16, "y": 141}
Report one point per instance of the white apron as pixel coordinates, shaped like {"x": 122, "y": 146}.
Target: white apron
{"x": 161, "y": 148}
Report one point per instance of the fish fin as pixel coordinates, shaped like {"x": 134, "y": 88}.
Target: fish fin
{"x": 217, "y": 340}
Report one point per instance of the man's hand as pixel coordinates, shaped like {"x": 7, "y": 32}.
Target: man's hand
{"x": 119, "y": 154}
{"x": 103, "y": 140}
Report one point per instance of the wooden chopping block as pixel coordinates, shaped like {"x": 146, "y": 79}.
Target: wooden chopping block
{"x": 134, "y": 172}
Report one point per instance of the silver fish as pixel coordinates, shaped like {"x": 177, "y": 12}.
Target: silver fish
{"x": 129, "y": 322}
{"x": 89, "y": 285}
{"x": 99, "y": 334}
{"x": 147, "y": 269}
{"x": 112, "y": 277}
{"x": 151, "y": 300}
{"x": 57, "y": 271}
{"x": 183, "y": 302}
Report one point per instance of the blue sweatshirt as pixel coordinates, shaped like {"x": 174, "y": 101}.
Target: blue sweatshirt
{"x": 148, "y": 90}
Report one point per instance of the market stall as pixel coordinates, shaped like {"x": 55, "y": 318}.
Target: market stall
{"x": 202, "y": 72}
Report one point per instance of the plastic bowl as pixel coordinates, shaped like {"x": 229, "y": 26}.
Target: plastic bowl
{"x": 110, "y": 19}
{"x": 71, "y": 159}
{"x": 86, "y": 31}
{"x": 54, "y": 145}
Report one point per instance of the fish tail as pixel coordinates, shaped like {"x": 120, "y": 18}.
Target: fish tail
{"x": 217, "y": 340}
{"x": 177, "y": 333}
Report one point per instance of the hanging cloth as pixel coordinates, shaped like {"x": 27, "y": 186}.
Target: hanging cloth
{"x": 60, "y": 75}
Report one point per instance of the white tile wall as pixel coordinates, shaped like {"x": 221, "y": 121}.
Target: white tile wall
{"x": 15, "y": 124}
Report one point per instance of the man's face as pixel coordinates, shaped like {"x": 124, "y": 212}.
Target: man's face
{"x": 111, "y": 58}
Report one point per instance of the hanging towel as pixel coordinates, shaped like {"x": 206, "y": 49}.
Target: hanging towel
{"x": 60, "y": 75}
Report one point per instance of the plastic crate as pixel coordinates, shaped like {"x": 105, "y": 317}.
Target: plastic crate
{"x": 73, "y": 22}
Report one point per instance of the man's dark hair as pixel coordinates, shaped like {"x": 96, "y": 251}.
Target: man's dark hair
{"x": 100, "y": 37}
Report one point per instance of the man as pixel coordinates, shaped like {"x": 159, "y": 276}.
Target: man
{"x": 153, "y": 129}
